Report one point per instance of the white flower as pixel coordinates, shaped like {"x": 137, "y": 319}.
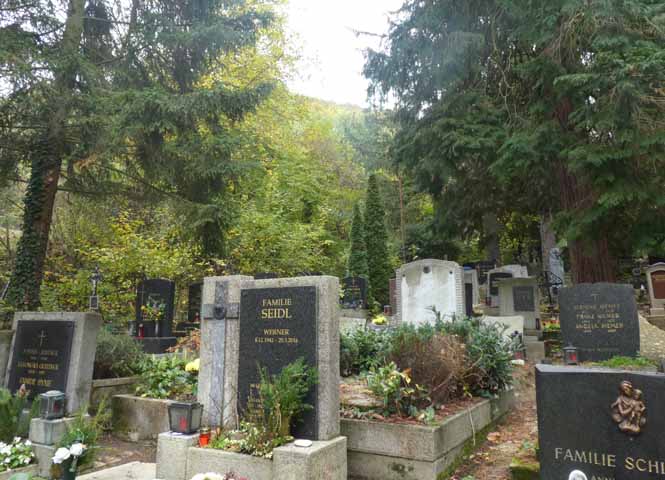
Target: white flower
{"x": 6, "y": 450}
{"x": 17, "y": 439}
{"x": 208, "y": 476}
{"x": 77, "y": 449}
{"x": 28, "y": 443}
{"x": 61, "y": 454}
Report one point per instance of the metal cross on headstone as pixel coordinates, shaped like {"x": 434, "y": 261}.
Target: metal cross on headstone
{"x": 42, "y": 337}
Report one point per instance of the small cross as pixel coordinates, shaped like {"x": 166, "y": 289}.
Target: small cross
{"x": 42, "y": 337}
{"x": 95, "y": 278}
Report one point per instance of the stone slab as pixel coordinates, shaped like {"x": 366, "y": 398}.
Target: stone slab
{"x": 80, "y": 361}
{"x": 520, "y": 296}
{"x": 203, "y": 460}
{"x": 49, "y": 432}
{"x": 600, "y": 320}
{"x": 578, "y": 429}
{"x": 535, "y": 350}
{"x": 44, "y": 457}
{"x": 323, "y": 460}
{"x": 128, "y": 471}
{"x": 29, "y": 470}
{"x": 172, "y": 451}
{"x": 136, "y": 418}
{"x": 6, "y": 337}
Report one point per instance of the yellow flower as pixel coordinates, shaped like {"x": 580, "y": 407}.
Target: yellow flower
{"x": 193, "y": 366}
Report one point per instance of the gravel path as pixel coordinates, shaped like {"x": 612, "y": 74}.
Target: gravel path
{"x": 652, "y": 340}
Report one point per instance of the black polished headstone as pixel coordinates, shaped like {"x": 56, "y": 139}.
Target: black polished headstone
{"x": 277, "y": 327}
{"x": 42, "y": 352}
{"x": 156, "y": 292}
{"x": 601, "y": 320}
{"x": 355, "y": 292}
{"x": 194, "y": 302}
{"x": 524, "y": 298}
{"x": 581, "y": 428}
{"x": 495, "y": 278}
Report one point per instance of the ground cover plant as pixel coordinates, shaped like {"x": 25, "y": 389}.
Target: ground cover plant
{"x": 172, "y": 378}
{"x": 267, "y": 423}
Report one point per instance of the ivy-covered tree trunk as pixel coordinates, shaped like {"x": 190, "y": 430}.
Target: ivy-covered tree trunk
{"x": 48, "y": 155}
{"x": 491, "y": 233}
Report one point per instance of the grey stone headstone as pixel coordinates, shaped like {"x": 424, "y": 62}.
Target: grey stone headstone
{"x": 580, "y": 426}
{"x": 600, "y": 320}
{"x": 55, "y": 351}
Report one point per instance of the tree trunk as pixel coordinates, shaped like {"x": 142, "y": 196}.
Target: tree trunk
{"x": 25, "y": 283}
{"x": 590, "y": 257}
{"x": 547, "y": 240}
{"x": 491, "y": 231}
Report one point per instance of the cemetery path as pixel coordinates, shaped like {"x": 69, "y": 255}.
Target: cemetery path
{"x": 492, "y": 460}
{"x": 114, "y": 452}
{"x": 652, "y": 340}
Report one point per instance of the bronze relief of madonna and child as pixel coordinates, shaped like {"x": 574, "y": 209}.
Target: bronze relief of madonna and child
{"x": 629, "y": 410}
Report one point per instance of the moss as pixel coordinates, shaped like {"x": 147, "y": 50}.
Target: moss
{"x": 524, "y": 469}
{"x": 470, "y": 446}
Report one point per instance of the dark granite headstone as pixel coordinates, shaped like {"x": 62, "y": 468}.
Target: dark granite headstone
{"x": 600, "y": 319}
{"x": 355, "y": 292}
{"x": 495, "y": 278}
{"x": 41, "y": 357}
{"x": 157, "y": 293}
{"x": 277, "y": 327}
{"x": 524, "y": 298}
{"x": 606, "y": 424}
{"x": 468, "y": 299}
{"x": 194, "y": 302}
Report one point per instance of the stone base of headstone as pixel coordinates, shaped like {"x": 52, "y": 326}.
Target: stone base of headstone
{"x": 657, "y": 312}
{"x": 535, "y": 349}
{"x": 44, "y": 435}
{"x": 5, "y": 343}
{"x": 157, "y": 345}
{"x": 351, "y": 320}
{"x": 179, "y": 458}
{"x": 172, "y": 451}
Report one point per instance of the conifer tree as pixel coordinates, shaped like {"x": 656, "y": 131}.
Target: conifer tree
{"x": 376, "y": 241}
{"x": 357, "y": 266}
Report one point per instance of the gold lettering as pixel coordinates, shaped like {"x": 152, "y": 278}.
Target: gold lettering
{"x": 557, "y": 452}
{"x": 629, "y": 463}
{"x": 638, "y": 462}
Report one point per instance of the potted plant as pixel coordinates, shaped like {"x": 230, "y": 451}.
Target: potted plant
{"x": 185, "y": 413}
{"x": 67, "y": 460}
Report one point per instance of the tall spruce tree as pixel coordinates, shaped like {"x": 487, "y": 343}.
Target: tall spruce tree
{"x": 357, "y": 266}
{"x": 113, "y": 94}
{"x": 541, "y": 106}
{"x": 376, "y": 241}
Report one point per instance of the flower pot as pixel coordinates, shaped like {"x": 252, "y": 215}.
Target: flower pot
{"x": 68, "y": 475}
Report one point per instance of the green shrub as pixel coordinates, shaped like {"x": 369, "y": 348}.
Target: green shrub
{"x": 363, "y": 349}
{"x": 627, "y": 363}
{"x": 13, "y": 423}
{"x": 166, "y": 378}
{"x": 395, "y": 388}
{"x": 490, "y": 359}
{"x": 117, "y": 355}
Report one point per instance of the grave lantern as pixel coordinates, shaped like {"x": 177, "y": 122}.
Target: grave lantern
{"x": 570, "y": 355}
{"x": 185, "y": 417}
{"x": 52, "y": 405}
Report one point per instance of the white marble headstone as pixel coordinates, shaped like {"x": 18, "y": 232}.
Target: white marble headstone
{"x": 427, "y": 285}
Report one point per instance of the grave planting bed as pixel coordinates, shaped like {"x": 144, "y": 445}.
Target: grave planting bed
{"x": 380, "y": 450}
{"x": 136, "y": 418}
{"x": 30, "y": 470}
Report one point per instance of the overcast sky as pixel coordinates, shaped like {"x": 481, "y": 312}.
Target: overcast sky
{"x": 332, "y": 63}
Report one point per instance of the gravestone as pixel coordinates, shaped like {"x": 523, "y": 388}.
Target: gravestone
{"x": 656, "y": 285}
{"x": 471, "y": 277}
{"x": 600, "y": 319}
{"x": 493, "y": 278}
{"x": 603, "y": 423}
{"x": 520, "y": 296}
{"x": 54, "y": 351}
{"x": 556, "y": 268}
{"x": 156, "y": 294}
{"x": 194, "y": 302}
{"x": 468, "y": 299}
{"x": 355, "y": 292}
{"x": 272, "y": 322}
{"x": 518, "y": 271}
{"x": 277, "y": 327}
{"x": 426, "y": 286}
